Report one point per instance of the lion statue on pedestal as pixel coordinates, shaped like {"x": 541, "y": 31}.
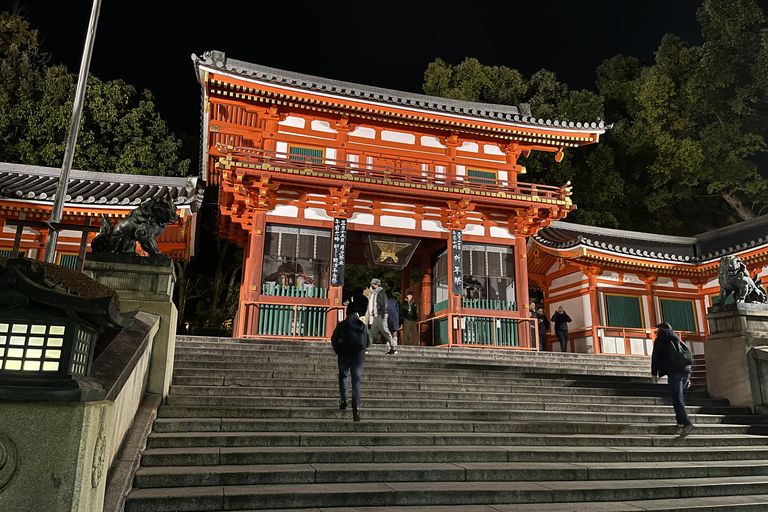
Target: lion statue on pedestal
{"x": 734, "y": 278}
{"x": 143, "y": 225}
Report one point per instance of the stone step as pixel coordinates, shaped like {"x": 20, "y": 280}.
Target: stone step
{"x": 394, "y": 385}
{"x": 382, "y": 359}
{"x": 330, "y": 398}
{"x": 396, "y": 494}
{"x": 537, "y": 412}
{"x": 248, "y": 455}
{"x": 386, "y": 472}
{"x": 742, "y": 503}
{"x": 411, "y": 373}
{"x": 336, "y": 425}
{"x": 209, "y": 434}
{"x": 287, "y": 345}
{"x": 385, "y": 409}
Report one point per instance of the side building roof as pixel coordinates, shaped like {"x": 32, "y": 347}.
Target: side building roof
{"x": 701, "y": 249}
{"x": 37, "y": 183}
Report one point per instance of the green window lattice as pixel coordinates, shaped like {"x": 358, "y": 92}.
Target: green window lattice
{"x": 623, "y": 311}
{"x": 477, "y": 176}
{"x": 679, "y": 314}
{"x": 299, "y": 153}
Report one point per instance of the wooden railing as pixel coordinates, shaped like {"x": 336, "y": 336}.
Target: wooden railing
{"x": 627, "y": 334}
{"x": 391, "y": 175}
{"x": 275, "y": 319}
{"x": 310, "y": 292}
{"x": 492, "y": 304}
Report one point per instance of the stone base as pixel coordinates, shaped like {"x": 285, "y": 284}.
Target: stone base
{"x": 149, "y": 288}
{"x": 735, "y": 331}
{"x": 56, "y": 455}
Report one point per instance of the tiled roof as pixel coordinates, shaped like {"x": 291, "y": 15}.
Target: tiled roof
{"x": 36, "y": 183}
{"x": 702, "y": 248}
{"x": 506, "y": 113}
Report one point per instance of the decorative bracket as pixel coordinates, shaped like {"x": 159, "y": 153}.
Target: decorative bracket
{"x": 455, "y": 217}
{"x": 341, "y": 202}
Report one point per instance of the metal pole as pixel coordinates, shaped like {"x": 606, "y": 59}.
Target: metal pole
{"x": 74, "y": 127}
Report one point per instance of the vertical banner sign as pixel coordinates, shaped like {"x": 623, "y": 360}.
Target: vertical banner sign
{"x": 338, "y": 252}
{"x": 457, "y": 265}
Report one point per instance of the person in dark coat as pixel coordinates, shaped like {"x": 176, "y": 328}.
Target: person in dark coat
{"x": 543, "y": 329}
{"x": 678, "y": 378}
{"x": 535, "y": 316}
{"x": 352, "y": 362}
{"x": 409, "y": 315}
{"x": 561, "y": 321}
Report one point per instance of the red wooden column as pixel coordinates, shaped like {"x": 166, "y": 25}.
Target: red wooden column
{"x": 254, "y": 256}
{"x": 270, "y": 129}
{"x": 521, "y": 278}
{"x": 425, "y": 301}
{"x": 592, "y": 273}
{"x": 649, "y": 279}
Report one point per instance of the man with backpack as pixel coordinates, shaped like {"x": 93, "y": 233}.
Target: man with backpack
{"x": 671, "y": 357}
{"x": 349, "y": 340}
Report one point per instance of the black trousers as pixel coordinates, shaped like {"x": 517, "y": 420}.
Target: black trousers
{"x": 563, "y": 337}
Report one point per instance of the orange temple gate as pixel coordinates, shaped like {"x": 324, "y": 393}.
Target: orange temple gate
{"x": 404, "y": 177}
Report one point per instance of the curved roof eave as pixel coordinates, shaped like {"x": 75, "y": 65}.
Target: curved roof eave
{"x": 217, "y": 61}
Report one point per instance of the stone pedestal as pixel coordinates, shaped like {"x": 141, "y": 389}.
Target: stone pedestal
{"x": 736, "y": 330}
{"x": 56, "y": 455}
{"x": 144, "y": 284}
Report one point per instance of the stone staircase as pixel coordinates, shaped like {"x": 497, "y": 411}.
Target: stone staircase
{"x": 255, "y": 425}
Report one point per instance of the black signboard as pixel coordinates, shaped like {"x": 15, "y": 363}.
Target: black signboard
{"x": 338, "y": 252}
{"x": 457, "y": 265}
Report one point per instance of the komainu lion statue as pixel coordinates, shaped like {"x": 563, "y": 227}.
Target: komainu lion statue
{"x": 734, "y": 278}
{"x": 143, "y": 225}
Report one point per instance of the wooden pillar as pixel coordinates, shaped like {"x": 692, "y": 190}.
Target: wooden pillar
{"x": 649, "y": 280}
{"x": 521, "y": 278}
{"x": 252, "y": 270}
{"x": 597, "y": 345}
{"x": 425, "y": 301}
{"x": 451, "y": 143}
{"x": 270, "y": 129}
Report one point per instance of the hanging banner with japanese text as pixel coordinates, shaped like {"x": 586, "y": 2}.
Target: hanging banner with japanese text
{"x": 457, "y": 263}
{"x": 338, "y": 252}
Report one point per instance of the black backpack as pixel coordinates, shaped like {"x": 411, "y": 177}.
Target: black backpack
{"x": 679, "y": 354}
{"x": 352, "y": 338}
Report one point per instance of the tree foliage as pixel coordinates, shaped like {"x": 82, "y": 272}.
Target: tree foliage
{"x": 120, "y": 129}
{"x": 687, "y": 129}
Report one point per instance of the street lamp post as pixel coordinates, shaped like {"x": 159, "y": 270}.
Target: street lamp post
{"x": 74, "y": 127}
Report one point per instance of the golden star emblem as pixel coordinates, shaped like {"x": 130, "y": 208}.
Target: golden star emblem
{"x": 389, "y": 250}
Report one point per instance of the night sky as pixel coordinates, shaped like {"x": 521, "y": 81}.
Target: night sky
{"x": 385, "y": 44}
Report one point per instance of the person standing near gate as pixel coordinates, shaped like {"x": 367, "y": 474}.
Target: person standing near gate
{"x": 350, "y": 340}
{"x": 543, "y": 329}
{"x": 409, "y": 315}
{"x": 672, "y": 358}
{"x": 377, "y": 315}
{"x": 561, "y": 321}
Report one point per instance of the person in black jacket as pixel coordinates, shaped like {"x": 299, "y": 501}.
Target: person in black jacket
{"x": 543, "y": 329}
{"x": 678, "y": 378}
{"x": 561, "y": 321}
{"x": 352, "y": 360}
{"x": 409, "y": 316}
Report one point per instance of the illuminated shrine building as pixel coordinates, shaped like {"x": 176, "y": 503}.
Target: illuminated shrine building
{"x": 408, "y": 181}
{"x": 617, "y": 285}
